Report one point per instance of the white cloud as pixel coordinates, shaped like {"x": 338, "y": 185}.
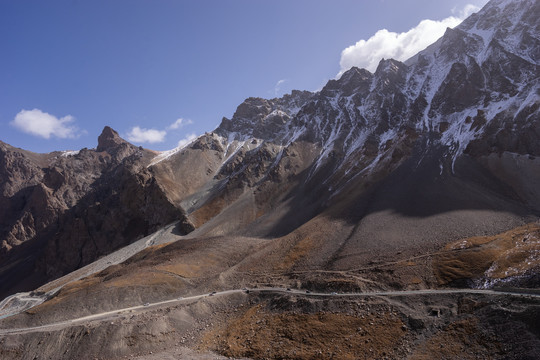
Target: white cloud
{"x": 139, "y": 135}
{"x": 189, "y": 138}
{"x": 179, "y": 123}
{"x": 387, "y": 44}
{"x": 467, "y": 10}
{"x": 42, "y": 124}
{"x": 277, "y": 87}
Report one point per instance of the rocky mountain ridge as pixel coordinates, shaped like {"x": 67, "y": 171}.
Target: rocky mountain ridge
{"x": 422, "y": 177}
{"x": 477, "y": 81}
{"x": 464, "y": 113}
{"x": 471, "y": 95}
{"x": 63, "y": 210}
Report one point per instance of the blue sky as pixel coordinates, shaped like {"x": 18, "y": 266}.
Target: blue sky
{"x": 68, "y": 68}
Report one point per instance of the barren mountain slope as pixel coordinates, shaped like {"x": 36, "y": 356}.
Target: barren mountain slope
{"x": 423, "y": 174}
{"x": 404, "y": 154}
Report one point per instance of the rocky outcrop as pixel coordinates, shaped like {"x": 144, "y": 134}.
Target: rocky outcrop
{"x": 65, "y": 209}
{"x": 21, "y": 196}
{"x": 124, "y": 205}
{"x": 111, "y": 143}
{"x": 263, "y": 119}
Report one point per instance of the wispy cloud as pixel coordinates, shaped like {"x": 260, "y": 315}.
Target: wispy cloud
{"x": 179, "y": 123}
{"x": 185, "y": 141}
{"x": 38, "y": 123}
{"x": 277, "y": 87}
{"x": 467, "y": 10}
{"x": 141, "y": 135}
{"x": 400, "y": 46}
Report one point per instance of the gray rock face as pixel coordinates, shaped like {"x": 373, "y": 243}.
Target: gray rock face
{"x": 124, "y": 205}
{"x": 65, "y": 209}
{"x": 261, "y": 118}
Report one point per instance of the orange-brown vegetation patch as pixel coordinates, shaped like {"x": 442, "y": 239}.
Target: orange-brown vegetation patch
{"x": 191, "y": 267}
{"x": 259, "y": 334}
{"x": 414, "y": 280}
{"x": 508, "y": 254}
{"x": 297, "y": 252}
{"x": 208, "y": 211}
{"x": 146, "y": 253}
{"x": 129, "y": 274}
{"x": 182, "y": 269}
{"x": 143, "y": 278}
{"x": 83, "y": 286}
{"x": 459, "y": 340}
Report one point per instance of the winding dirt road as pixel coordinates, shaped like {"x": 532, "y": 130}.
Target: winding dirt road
{"x": 119, "y": 313}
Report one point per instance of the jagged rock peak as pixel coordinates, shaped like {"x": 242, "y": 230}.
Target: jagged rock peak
{"x": 390, "y": 65}
{"x": 353, "y": 75}
{"x": 109, "y": 139}
{"x": 355, "y": 72}
{"x": 263, "y": 118}
{"x": 349, "y": 82}
{"x": 295, "y": 94}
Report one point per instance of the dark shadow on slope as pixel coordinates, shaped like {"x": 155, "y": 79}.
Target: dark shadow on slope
{"x": 105, "y": 220}
{"x": 428, "y": 183}
{"x": 425, "y": 184}
{"x": 17, "y": 272}
{"x": 307, "y": 200}
{"x": 425, "y": 190}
